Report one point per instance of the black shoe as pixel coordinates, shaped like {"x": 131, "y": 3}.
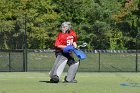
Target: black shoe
{"x": 55, "y": 79}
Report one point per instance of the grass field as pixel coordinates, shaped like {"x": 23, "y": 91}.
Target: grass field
{"x": 93, "y": 82}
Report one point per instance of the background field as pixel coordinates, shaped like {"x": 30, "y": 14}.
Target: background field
{"x": 103, "y": 82}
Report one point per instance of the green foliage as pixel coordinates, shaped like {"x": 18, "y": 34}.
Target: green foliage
{"x": 72, "y": 10}
{"x": 116, "y": 41}
{"x": 103, "y": 24}
{"x": 38, "y": 15}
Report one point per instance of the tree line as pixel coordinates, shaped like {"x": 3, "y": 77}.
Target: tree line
{"x": 102, "y": 24}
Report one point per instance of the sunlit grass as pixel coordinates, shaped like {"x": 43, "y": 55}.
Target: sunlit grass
{"x": 36, "y": 82}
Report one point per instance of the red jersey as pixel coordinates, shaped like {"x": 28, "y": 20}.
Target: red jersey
{"x": 65, "y": 38}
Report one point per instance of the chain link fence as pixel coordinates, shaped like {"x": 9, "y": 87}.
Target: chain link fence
{"x": 97, "y": 61}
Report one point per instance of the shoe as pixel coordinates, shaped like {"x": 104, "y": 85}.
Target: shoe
{"x": 73, "y": 81}
{"x": 54, "y": 79}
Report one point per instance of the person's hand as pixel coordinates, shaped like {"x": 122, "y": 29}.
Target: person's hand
{"x": 68, "y": 48}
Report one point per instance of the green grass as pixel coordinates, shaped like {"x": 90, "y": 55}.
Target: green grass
{"x": 93, "y": 82}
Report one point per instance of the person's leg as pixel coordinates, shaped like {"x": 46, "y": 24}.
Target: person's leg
{"x": 58, "y": 68}
{"x": 73, "y": 68}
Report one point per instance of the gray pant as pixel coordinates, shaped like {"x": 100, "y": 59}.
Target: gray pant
{"x": 60, "y": 63}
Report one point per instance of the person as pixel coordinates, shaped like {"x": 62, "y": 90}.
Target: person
{"x": 65, "y": 41}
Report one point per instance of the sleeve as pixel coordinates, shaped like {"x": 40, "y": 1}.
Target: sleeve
{"x": 57, "y": 40}
{"x": 75, "y": 36}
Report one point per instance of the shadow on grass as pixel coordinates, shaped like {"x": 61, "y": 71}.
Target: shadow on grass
{"x": 45, "y": 81}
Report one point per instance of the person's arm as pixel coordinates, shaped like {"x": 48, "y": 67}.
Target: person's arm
{"x": 58, "y": 43}
{"x": 75, "y": 39}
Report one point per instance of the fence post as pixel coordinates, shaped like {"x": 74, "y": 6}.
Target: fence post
{"x": 99, "y": 62}
{"x": 9, "y": 65}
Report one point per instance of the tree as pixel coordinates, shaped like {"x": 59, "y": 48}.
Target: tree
{"x": 103, "y": 24}
{"x": 40, "y": 17}
{"x": 126, "y": 21}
